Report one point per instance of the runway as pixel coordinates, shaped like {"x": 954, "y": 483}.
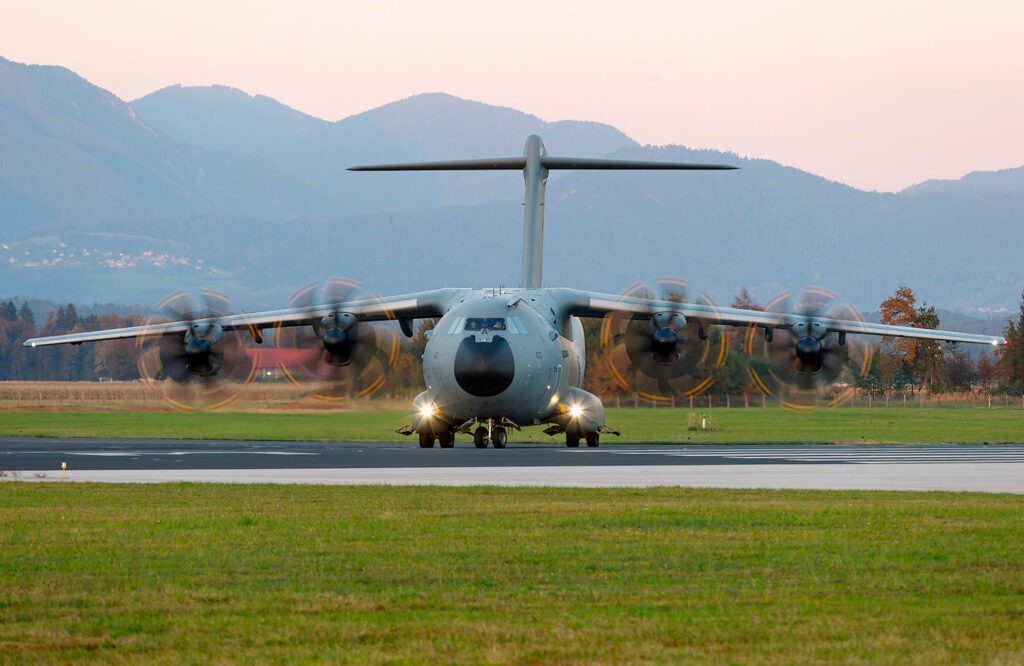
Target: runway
{"x": 985, "y": 468}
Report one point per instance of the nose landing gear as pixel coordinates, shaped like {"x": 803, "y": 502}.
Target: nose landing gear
{"x": 494, "y": 435}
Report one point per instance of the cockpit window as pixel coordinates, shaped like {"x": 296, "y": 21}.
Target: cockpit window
{"x": 485, "y": 324}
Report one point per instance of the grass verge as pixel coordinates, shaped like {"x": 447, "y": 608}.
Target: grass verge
{"x": 754, "y": 425}
{"x": 200, "y": 573}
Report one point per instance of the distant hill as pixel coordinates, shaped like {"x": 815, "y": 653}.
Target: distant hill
{"x": 424, "y": 127}
{"x": 74, "y": 154}
{"x": 101, "y": 201}
{"x": 1006, "y": 181}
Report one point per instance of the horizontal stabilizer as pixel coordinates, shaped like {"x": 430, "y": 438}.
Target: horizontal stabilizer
{"x": 516, "y": 163}
{"x": 547, "y": 162}
{"x": 584, "y": 163}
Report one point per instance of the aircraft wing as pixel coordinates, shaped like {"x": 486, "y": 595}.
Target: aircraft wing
{"x": 402, "y": 308}
{"x": 593, "y": 304}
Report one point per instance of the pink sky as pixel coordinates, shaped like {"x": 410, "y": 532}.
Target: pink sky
{"x": 879, "y": 95}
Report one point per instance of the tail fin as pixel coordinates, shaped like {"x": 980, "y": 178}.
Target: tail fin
{"x": 535, "y": 164}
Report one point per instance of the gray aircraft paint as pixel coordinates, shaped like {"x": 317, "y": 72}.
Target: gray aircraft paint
{"x": 536, "y": 178}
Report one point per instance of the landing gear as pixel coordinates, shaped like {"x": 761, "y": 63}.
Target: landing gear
{"x": 447, "y": 439}
{"x": 593, "y": 439}
{"x": 426, "y": 441}
{"x": 572, "y": 439}
{"x": 499, "y": 438}
{"x": 480, "y": 437}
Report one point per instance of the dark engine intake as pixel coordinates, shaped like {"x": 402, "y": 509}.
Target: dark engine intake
{"x": 484, "y": 369}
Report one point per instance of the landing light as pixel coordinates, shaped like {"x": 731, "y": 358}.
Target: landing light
{"x": 426, "y": 411}
{"x": 575, "y": 411}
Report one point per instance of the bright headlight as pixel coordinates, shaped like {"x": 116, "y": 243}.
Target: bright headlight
{"x": 575, "y": 411}
{"x": 426, "y": 411}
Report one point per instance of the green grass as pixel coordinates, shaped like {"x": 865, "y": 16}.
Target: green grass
{"x": 199, "y": 573}
{"x": 637, "y": 426}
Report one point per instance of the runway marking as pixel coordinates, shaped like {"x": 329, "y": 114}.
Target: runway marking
{"x": 140, "y": 454}
{"x": 857, "y": 454}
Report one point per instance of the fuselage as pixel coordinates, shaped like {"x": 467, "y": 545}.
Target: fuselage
{"x": 503, "y": 353}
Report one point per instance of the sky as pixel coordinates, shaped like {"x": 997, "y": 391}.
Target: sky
{"x": 876, "y": 94}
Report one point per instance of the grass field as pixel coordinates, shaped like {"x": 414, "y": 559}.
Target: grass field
{"x": 201, "y": 573}
{"x": 637, "y": 426}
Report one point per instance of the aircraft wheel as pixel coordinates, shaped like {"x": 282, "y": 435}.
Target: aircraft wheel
{"x": 572, "y": 439}
{"x": 426, "y": 441}
{"x": 446, "y": 440}
{"x": 593, "y": 439}
{"x": 480, "y": 437}
{"x": 499, "y": 438}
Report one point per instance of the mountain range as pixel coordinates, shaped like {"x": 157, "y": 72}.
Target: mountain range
{"x": 106, "y": 200}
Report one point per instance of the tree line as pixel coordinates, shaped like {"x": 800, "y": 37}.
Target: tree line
{"x": 899, "y": 366}
{"x": 87, "y": 362}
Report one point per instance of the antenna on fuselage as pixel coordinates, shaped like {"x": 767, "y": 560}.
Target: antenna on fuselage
{"x": 535, "y": 165}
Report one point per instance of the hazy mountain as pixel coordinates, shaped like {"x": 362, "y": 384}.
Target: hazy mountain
{"x": 106, "y": 202}
{"x": 424, "y": 127}
{"x": 1007, "y": 181}
{"x": 74, "y": 154}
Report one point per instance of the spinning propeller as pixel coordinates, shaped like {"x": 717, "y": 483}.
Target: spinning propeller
{"x": 202, "y": 367}
{"x": 338, "y": 355}
{"x": 659, "y": 353}
{"x": 800, "y": 364}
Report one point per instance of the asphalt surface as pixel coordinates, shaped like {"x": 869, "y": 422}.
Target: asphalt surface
{"x": 986, "y": 468}
{"x": 165, "y": 454}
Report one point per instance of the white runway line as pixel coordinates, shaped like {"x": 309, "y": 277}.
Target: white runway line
{"x": 847, "y": 455}
{"x": 978, "y": 477}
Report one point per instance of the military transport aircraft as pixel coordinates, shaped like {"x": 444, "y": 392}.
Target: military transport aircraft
{"x": 501, "y": 358}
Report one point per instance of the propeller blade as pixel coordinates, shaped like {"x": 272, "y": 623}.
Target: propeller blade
{"x": 660, "y": 354}
{"x": 337, "y": 355}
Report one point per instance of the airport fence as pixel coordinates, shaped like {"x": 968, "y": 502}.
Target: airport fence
{"x": 966, "y": 400}
{"x": 283, "y": 395}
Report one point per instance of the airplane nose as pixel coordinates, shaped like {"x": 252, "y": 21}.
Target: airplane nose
{"x": 484, "y": 369}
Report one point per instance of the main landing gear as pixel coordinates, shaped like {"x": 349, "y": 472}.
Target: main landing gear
{"x": 445, "y": 439}
{"x": 572, "y": 439}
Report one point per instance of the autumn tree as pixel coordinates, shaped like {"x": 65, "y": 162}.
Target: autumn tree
{"x": 958, "y": 371}
{"x": 598, "y": 377}
{"x": 1010, "y": 361}
{"x": 116, "y": 359}
{"x": 986, "y": 371}
{"x": 927, "y": 353}
{"x": 744, "y": 300}
{"x": 406, "y": 376}
{"x": 908, "y": 357}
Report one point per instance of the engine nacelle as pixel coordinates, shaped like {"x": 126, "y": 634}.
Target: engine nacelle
{"x": 427, "y": 418}
{"x": 666, "y": 330}
{"x": 339, "y": 334}
{"x": 198, "y": 351}
{"x": 580, "y": 412}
